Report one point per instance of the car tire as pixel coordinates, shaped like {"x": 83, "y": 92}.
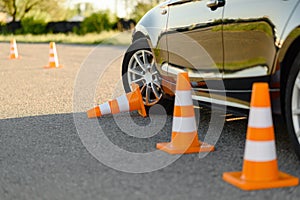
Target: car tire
{"x": 292, "y": 104}
{"x": 145, "y": 74}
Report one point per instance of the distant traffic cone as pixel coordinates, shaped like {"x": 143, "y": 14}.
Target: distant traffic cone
{"x": 13, "y": 50}
{"x": 128, "y": 102}
{"x": 53, "y": 58}
{"x": 260, "y": 169}
{"x": 184, "y": 130}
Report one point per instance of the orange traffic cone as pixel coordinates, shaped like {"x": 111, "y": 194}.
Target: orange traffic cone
{"x": 127, "y": 102}
{"x": 53, "y": 58}
{"x": 260, "y": 169}
{"x": 184, "y": 130}
{"x": 13, "y": 50}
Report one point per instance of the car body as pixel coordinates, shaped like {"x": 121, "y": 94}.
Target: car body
{"x": 226, "y": 46}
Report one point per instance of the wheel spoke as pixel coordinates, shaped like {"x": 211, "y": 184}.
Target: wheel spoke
{"x": 154, "y": 89}
{"x": 138, "y": 80}
{"x": 147, "y": 94}
{"x": 154, "y": 73}
{"x": 143, "y": 88}
{"x": 145, "y": 59}
{"x": 152, "y": 63}
{"x": 142, "y": 70}
{"x": 157, "y": 84}
{"x": 139, "y": 62}
{"x": 152, "y": 66}
{"x": 136, "y": 72}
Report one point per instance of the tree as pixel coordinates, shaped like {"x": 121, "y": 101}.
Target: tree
{"x": 140, "y": 10}
{"x": 18, "y": 9}
{"x": 97, "y": 22}
{"x": 155, "y": 2}
{"x": 84, "y": 9}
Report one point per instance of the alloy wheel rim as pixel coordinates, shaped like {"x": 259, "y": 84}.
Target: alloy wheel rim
{"x": 296, "y": 106}
{"x": 142, "y": 70}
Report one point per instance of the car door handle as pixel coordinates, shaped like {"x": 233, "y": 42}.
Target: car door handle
{"x": 214, "y": 4}
{"x": 164, "y": 11}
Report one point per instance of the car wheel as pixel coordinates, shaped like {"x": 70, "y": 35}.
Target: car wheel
{"x": 139, "y": 67}
{"x": 292, "y": 104}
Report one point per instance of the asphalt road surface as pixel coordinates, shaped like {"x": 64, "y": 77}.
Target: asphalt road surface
{"x": 49, "y": 150}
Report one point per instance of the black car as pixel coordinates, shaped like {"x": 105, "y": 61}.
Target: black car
{"x": 225, "y": 46}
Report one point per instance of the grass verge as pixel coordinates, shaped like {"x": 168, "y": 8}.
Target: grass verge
{"x": 110, "y": 37}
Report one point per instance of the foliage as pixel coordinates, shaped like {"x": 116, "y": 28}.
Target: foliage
{"x": 96, "y": 23}
{"x": 110, "y": 37}
{"x": 30, "y": 25}
{"x": 35, "y": 24}
{"x": 246, "y": 26}
{"x": 140, "y": 10}
{"x": 31, "y": 16}
{"x": 19, "y": 9}
{"x": 88, "y": 9}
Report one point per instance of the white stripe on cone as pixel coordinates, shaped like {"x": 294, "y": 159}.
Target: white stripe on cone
{"x": 184, "y": 124}
{"x": 183, "y": 98}
{"x": 123, "y": 103}
{"x": 260, "y": 151}
{"x": 52, "y": 59}
{"x": 260, "y": 118}
{"x": 56, "y": 60}
{"x": 105, "y": 108}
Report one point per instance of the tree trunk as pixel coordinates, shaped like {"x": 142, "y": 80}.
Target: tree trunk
{"x": 14, "y": 13}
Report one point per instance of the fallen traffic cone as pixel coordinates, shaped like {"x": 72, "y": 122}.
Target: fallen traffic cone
{"x": 13, "y": 50}
{"x": 53, "y": 58}
{"x": 260, "y": 169}
{"x": 184, "y": 130}
{"x": 127, "y": 102}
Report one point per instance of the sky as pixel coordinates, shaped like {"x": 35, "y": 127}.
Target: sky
{"x": 103, "y": 4}
{"x": 97, "y": 3}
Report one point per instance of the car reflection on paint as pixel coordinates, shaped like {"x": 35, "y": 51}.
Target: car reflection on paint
{"x": 235, "y": 42}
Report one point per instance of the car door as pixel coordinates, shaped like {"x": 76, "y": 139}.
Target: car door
{"x": 251, "y": 32}
{"x": 194, "y": 40}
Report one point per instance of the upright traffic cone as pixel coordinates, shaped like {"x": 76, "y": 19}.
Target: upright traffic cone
{"x": 53, "y": 58}
{"x": 127, "y": 102}
{"x": 184, "y": 137}
{"x": 13, "y": 50}
{"x": 260, "y": 169}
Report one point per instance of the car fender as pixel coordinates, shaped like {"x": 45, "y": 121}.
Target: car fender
{"x": 290, "y": 34}
{"x": 153, "y": 25}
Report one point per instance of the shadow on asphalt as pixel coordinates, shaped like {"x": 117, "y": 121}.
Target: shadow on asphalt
{"x": 42, "y": 157}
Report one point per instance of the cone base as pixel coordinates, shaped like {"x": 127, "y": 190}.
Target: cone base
{"x": 284, "y": 180}
{"x": 142, "y": 111}
{"x": 14, "y": 58}
{"x": 93, "y": 113}
{"x": 53, "y": 67}
{"x": 169, "y": 148}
